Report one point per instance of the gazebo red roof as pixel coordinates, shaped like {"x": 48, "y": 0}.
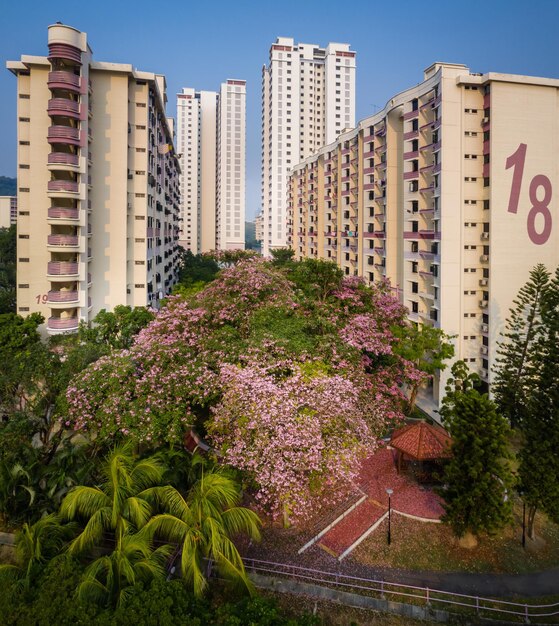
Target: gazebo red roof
{"x": 421, "y": 441}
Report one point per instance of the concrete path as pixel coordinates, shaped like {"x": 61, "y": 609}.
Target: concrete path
{"x": 495, "y": 585}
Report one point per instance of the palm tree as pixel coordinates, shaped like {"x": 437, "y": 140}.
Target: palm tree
{"x": 203, "y": 524}
{"x": 35, "y": 545}
{"x": 117, "y": 509}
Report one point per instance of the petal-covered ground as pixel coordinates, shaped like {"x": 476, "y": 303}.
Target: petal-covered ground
{"x": 378, "y": 473}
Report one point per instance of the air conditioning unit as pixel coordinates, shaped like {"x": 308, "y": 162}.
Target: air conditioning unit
{"x": 484, "y": 349}
{"x": 484, "y": 373}
{"x": 483, "y": 304}
{"x": 484, "y": 258}
{"x": 485, "y": 120}
{"x": 485, "y": 235}
{"x": 484, "y": 328}
{"x": 483, "y": 282}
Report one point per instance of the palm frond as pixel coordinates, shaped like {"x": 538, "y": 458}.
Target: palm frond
{"x": 83, "y": 501}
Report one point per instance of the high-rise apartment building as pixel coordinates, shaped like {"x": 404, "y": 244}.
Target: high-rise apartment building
{"x": 451, "y": 192}
{"x": 8, "y": 211}
{"x": 98, "y": 184}
{"x": 211, "y": 141}
{"x": 308, "y": 98}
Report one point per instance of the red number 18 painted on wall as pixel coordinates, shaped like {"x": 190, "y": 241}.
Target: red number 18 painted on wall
{"x": 541, "y": 207}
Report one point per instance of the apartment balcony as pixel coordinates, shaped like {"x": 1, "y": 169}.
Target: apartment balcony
{"x": 63, "y": 158}
{"x": 62, "y": 268}
{"x": 64, "y": 51}
{"x": 368, "y": 186}
{"x": 69, "y": 186}
{"x": 62, "y": 79}
{"x": 64, "y": 134}
{"x": 63, "y": 241}
{"x": 63, "y": 323}
{"x": 63, "y": 107}
{"x": 412, "y": 134}
{"x": 63, "y": 297}
{"x": 428, "y": 189}
{"x": 63, "y": 213}
{"x": 381, "y": 132}
{"x": 413, "y": 154}
{"x": 414, "y": 174}
{"x": 410, "y": 115}
{"x": 426, "y": 295}
{"x": 369, "y": 154}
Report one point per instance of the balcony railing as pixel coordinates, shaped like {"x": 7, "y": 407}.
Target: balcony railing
{"x": 63, "y": 158}
{"x": 63, "y": 213}
{"x": 63, "y": 134}
{"x": 64, "y": 51}
{"x": 63, "y": 80}
{"x": 63, "y": 106}
{"x": 63, "y": 296}
{"x": 62, "y": 268}
{"x": 63, "y": 240}
{"x": 63, "y": 185}
{"x": 63, "y": 323}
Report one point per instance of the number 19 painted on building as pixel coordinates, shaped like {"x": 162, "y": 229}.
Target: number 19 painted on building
{"x": 539, "y": 207}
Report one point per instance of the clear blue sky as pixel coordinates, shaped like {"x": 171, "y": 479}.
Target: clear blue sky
{"x": 200, "y": 44}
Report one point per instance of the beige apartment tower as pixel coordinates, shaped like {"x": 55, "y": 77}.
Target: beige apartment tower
{"x": 308, "y": 99}
{"x": 8, "y": 211}
{"x": 98, "y": 185}
{"x": 450, "y": 192}
{"x": 211, "y": 141}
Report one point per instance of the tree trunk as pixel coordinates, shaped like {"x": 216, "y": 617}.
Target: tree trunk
{"x": 531, "y": 524}
{"x": 413, "y": 397}
{"x": 286, "y": 522}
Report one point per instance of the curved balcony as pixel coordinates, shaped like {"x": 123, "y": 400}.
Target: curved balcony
{"x": 61, "y": 297}
{"x": 63, "y": 134}
{"x": 62, "y": 107}
{"x": 63, "y": 158}
{"x": 63, "y": 213}
{"x": 70, "y": 241}
{"x": 64, "y": 51}
{"x": 62, "y": 268}
{"x": 63, "y": 323}
{"x": 61, "y": 79}
{"x": 63, "y": 185}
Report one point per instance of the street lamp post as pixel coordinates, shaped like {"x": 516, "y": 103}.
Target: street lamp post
{"x": 389, "y": 492}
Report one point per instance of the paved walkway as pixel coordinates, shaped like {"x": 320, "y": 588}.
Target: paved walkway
{"x": 378, "y": 473}
{"x": 494, "y": 585}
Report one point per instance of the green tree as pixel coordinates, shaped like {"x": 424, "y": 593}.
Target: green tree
{"x": 539, "y": 461}
{"x": 35, "y": 546}
{"x": 8, "y": 245}
{"x": 317, "y": 278}
{"x": 282, "y": 256}
{"x": 20, "y": 352}
{"x": 118, "y": 509}
{"x": 427, "y": 348}
{"x": 116, "y": 328}
{"x": 515, "y": 362}
{"x": 203, "y": 524}
{"x": 196, "y": 268}
{"x": 477, "y": 478}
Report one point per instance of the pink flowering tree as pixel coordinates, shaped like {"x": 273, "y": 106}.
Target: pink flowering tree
{"x": 293, "y": 385}
{"x": 295, "y": 436}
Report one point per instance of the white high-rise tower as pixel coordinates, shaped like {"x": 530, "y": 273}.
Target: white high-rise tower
{"x": 211, "y": 140}
{"x": 308, "y": 98}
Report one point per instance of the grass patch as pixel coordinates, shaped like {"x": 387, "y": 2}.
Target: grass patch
{"x": 420, "y": 546}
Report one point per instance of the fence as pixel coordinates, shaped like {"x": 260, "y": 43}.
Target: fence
{"x": 484, "y": 607}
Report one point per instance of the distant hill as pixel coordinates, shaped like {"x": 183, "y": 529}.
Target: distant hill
{"x": 8, "y": 186}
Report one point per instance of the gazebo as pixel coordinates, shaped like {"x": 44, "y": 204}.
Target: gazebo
{"x": 421, "y": 442}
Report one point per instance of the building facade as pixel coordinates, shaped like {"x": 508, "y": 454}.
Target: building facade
{"x": 448, "y": 193}
{"x": 98, "y": 185}
{"x": 8, "y": 211}
{"x": 308, "y": 98}
{"x": 211, "y": 141}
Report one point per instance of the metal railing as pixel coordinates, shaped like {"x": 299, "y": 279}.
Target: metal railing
{"x": 427, "y": 596}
